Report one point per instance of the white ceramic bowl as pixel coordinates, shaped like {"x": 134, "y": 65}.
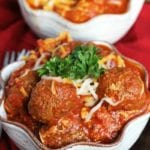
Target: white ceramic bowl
{"x": 107, "y": 27}
{"x": 25, "y": 140}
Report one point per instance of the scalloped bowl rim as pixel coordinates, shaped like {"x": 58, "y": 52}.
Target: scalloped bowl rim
{"x": 118, "y": 140}
{"x": 72, "y": 25}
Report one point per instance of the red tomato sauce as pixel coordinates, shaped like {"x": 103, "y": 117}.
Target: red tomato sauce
{"x": 53, "y": 111}
{"x": 82, "y": 11}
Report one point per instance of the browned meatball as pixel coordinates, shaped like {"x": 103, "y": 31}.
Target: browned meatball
{"x": 21, "y": 72}
{"x": 106, "y": 124}
{"x": 17, "y": 95}
{"x": 50, "y": 100}
{"x": 122, "y": 85}
{"x": 68, "y": 130}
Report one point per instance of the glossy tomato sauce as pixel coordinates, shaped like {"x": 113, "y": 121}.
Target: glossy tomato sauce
{"x": 56, "y": 114}
{"x": 82, "y": 10}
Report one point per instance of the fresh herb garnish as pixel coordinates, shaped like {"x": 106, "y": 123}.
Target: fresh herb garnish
{"x": 83, "y": 61}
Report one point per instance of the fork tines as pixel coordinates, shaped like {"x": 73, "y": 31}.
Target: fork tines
{"x": 9, "y": 57}
{"x": 14, "y": 56}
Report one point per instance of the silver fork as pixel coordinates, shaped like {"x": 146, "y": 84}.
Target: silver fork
{"x": 11, "y": 57}
{"x": 14, "y": 56}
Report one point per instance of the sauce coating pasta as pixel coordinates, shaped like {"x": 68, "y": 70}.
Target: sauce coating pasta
{"x": 79, "y": 11}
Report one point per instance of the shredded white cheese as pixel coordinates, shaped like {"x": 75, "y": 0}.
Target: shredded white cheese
{"x": 116, "y": 2}
{"x": 88, "y": 87}
{"x": 110, "y": 64}
{"x": 37, "y": 64}
{"x": 58, "y": 79}
{"x": 95, "y": 108}
{"x": 83, "y": 87}
{"x": 25, "y": 73}
{"x": 110, "y": 61}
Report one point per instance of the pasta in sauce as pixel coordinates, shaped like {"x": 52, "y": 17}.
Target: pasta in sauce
{"x": 79, "y": 11}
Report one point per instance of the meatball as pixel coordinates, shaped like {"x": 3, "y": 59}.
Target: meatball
{"x": 17, "y": 95}
{"x": 50, "y": 100}
{"x": 124, "y": 86}
{"x": 67, "y": 131}
{"x": 21, "y": 72}
{"x": 105, "y": 125}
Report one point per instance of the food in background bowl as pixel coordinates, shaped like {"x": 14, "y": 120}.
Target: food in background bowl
{"x": 79, "y": 11}
{"x": 48, "y": 23}
{"x": 69, "y": 92}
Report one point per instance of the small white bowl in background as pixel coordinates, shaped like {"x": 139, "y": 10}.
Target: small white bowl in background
{"x": 106, "y": 27}
{"x": 25, "y": 140}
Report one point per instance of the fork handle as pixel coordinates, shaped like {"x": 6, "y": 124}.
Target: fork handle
{"x": 2, "y": 83}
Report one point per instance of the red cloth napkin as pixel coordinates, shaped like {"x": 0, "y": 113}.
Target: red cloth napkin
{"x": 15, "y": 35}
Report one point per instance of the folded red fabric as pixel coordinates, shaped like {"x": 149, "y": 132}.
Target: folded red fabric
{"x": 16, "y": 35}
{"x": 136, "y": 44}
